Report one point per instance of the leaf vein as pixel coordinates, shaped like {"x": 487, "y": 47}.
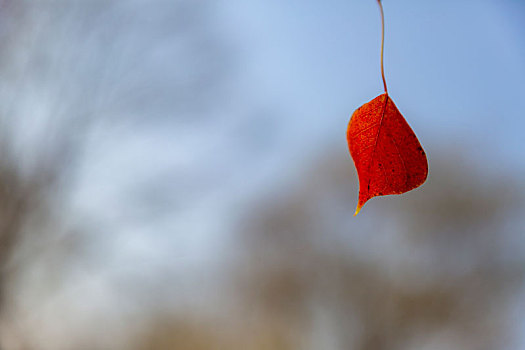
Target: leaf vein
{"x": 365, "y": 129}
{"x": 383, "y": 111}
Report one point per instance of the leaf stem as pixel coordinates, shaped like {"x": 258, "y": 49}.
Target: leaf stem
{"x": 382, "y": 44}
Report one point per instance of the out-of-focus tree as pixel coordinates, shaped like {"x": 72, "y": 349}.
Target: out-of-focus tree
{"x": 69, "y": 70}
{"x": 407, "y": 274}
{"x": 428, "y": 269}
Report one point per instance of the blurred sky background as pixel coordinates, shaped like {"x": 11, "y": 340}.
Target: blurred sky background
{"x": 175, "y": 175}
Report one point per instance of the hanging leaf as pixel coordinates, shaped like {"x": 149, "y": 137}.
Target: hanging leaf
{"x": 387, "y": 154}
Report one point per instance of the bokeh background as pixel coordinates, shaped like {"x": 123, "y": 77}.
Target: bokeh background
{"x": 175, "y": 175}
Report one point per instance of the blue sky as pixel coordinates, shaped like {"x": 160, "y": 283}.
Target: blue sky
{"x": 454, "y": 68}
{"x": 298, "y": 71}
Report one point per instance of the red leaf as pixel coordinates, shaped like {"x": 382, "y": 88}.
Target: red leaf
{"x": 387, "y": 154}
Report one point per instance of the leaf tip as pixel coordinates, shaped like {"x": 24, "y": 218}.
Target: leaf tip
{"x": 358, "y": 209}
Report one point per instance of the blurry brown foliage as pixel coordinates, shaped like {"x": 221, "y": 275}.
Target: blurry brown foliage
{"x": 303, "y": 283}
